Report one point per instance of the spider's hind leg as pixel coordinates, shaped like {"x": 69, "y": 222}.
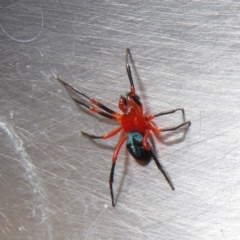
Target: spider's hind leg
{"x": 162, "y": 171}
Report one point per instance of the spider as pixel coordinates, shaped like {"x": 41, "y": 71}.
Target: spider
{"x": 133, "y": 122}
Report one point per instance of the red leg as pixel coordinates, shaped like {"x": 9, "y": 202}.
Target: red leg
{"x": 114, "y": 159}
{"x": 108, "y": 135}
{"x": 144, "y": 141}
{"x": 100, "y": 105}
{"x": 134, "y": 102}
{"x": 153, "y": 128}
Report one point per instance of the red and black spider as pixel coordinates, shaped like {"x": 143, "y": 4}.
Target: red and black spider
{"x": 135, "y": 124}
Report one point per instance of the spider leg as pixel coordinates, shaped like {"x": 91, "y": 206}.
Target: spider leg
{"x": 175, "y": 128}
{"x": 128, "y": 53}
{"x": 157, "y": 130}
{"x": 147, "y": 147}
{"x": 92, "y": 109}
{"x": 108, "y": 135}
{"x": 162, "y": 171}
{"x": 165, "y": 113}
{"x": 93, "y": 101}
{"x": 95, "y": 110}
{"x": 144, "y": 141}
{"x": 114, "y": 159}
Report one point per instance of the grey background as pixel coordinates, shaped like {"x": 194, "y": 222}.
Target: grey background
{"x": 54, "y": 181}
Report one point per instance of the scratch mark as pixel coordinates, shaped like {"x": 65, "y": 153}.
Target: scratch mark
{"x": 138, "y": 214}
{"x": 71, "y": 166}
{"x": 73, "y": 46}
{"x": 27, "y": 40}
{"x": 200, "y": 123}
{"x": 11, "y": 114}
{"x": 7, "y": 220}
{"x": 10, "y": 157}
{"x": 30, "y": 170}
{"x": 105, "y": 207}
{"x": 43, "y": 170}
{"x": 40, "y": 52}
{"x": 4, "y": 127}
{"x": 4, "y": 180}
{"x": 54, "y": 72}
{"x": 222, "y": 233}
{"x": 24, "y": 130}
{"x": 4, "y": 233}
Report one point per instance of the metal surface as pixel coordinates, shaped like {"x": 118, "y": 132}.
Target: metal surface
{"x": 54, "y": 182}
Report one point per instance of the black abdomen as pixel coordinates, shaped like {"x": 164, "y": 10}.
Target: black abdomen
{"x": 135, "y": 146}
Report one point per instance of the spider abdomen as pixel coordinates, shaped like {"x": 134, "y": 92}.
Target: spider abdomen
{"x": 135, "y": 146}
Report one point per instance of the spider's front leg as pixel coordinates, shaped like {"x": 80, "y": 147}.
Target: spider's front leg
{"x": 74, "y": 94}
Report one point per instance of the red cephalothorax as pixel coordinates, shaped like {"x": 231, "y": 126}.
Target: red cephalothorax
{"x": 133, "y": 122}
{"x": 132, "y": 118}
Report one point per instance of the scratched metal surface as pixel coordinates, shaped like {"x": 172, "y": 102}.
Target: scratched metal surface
{"x": 54, "y": 182}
